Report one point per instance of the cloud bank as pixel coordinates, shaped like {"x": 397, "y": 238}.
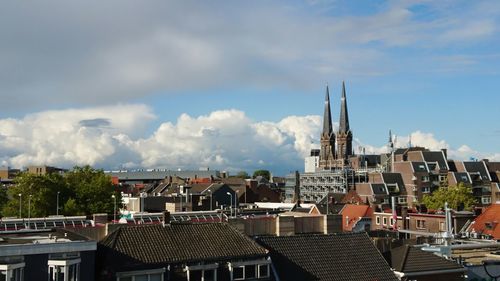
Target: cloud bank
{"x": 112, "y": 137}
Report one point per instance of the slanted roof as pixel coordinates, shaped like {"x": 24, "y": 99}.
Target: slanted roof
{"x": 487, "y": 222}
{"x": 462, "y": 177}
{"x": 199, "y": 187}
{"x": 408, "y": 259}
{"x": 233, "y": 181}
{"x": 394, "y": 178}
{"x": 419, "y": 167}
{"x": 436, "y": 156}
{"x": 479, "y": 168}
{"x": 343, "y": 256}
{"x": 352, "y": 214}
{"x": 147, "y": 246}
{"x": 379, "y": 189}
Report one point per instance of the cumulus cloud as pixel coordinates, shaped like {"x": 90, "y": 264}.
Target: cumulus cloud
{"x": 108, "y": 137}
{"x": 67, "y": 137}
{"x": 111, "y": 138}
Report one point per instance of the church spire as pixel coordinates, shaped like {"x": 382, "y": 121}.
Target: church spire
{"x": 327, "y": 116}
{"x": 327, "y": 152}
{"x": 344, "y": 135}
{"x": 344, "y": 116}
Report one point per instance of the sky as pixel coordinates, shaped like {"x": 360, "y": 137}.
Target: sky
{"x": 239, "y": 85}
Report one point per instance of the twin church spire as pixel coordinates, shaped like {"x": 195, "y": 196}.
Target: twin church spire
{"x": 331, "y": 155}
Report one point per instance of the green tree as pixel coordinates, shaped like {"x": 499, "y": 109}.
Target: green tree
{"x": 82, "y": 191}
{"x": 264, "y": 173}
{"x": 3, "y": 198}
{"x": 36, "y": 192}
{"x": 458, "y": 197}
{"x": 93, "y": 190}
{"x": 70, "y": 207}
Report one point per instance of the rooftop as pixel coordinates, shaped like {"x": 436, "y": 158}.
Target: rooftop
{"x": 342, "y": 256}
{"x": 152, "y": 245}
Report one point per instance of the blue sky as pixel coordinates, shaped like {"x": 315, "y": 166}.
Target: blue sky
{"x": 426, "y": 68}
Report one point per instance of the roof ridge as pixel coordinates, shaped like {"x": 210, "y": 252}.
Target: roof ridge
{"x": 406, "y": 252}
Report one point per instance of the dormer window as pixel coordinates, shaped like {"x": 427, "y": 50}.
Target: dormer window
{"x": 12, "y": 272}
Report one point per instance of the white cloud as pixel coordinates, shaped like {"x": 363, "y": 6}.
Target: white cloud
{"x": 111, "y": 137}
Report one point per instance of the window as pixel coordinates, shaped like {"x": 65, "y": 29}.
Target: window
{"x": 249, "y": 270}
{"x": 142, "y": 275}
{"x": 420, "y": 224}
{"x": 425, "y": 178}
{"x": 486, "y": 200}
{"x": 426, "y": 189}
{"x": 442, "y": 226}
{"x": 384, "y": 221}
{"x": 239, "y": 273}
{"x": 377, "y": 220}
{"x": 12, "y": 272}
{"x": 392, "y": 221}
{"x": 402, "y": 200}
{"x": 201, "y": 272}
{"x": 59, "y": 269}
{"x": 263, "y": 270}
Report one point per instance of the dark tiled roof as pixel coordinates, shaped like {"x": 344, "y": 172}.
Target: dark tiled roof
{"x": 406, "y": 150}
{"x": 419, "y": 167}
{"x": 410, "y": 259}
{"x": 436, "y": 156}
{"x": 327, "y": 257}
{"x": 394, "y": 178}
{"x": 478, "y": 167}
{"x": 134, "y": 247}
{"x": 462, "y": 177}
{"x": 379, "y": 188}
{"x": 452, "y": 165}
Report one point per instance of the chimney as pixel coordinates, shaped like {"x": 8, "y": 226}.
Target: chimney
{"x": 166, "y": 218}
{"x": 297, "y": 188}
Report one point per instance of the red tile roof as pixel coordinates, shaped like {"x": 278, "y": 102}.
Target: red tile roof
{"x": 487, "y": 222}
{"x": 353, "y": 213}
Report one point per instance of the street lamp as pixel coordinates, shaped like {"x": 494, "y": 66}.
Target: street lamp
{"x": 235, "y": 203}
{"x": 210, "y": 191}
{"x": 57, "y": 207}
{"x": 495, "y": 263}
{"x": 231, "y": 202}
{"x": 114, "y": 209}
{"x": 20, "y": 210}
{"x": 29, "y": 210}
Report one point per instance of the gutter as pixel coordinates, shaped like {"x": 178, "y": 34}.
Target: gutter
{"x": 275, "y": 273}
{"x": 430, "y": 272}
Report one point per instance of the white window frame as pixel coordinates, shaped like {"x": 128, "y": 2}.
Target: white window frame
{"x": 64, "y": 265}
{"x": 256, "y": 263}
{"x": 10, "y": 268}
{"x": 148, "y": 272}
{"x": 377, "y": 220}
{"x": 420, "y": 225}
{"x": 259, "y": 275}
{"x": 202, "y": 267}
{"x": 485, "y": 200}
{"x": 384, "y": 220}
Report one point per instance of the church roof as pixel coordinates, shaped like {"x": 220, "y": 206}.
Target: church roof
{"x": 327, "y": 116}
{"x": 344, "y": 115}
